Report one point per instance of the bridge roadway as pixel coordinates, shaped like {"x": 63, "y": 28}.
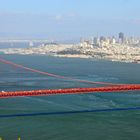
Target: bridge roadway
{"x": 119, "y": 88}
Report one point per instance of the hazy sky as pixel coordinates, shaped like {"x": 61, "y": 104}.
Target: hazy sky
{"x": 68, "y": 19}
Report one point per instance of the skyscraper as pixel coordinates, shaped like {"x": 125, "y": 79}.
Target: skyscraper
{"x": 121, "y": 37}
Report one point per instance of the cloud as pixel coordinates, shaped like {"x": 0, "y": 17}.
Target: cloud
{"x": 59, "y": 17}
{"x": 72, "y": 15}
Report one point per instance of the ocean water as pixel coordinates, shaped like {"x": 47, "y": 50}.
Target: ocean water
{"x": 117, "y": 125}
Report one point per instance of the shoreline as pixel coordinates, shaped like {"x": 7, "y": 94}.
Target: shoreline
{"x": 115, "y": 53}
{"x": 77, "y": 56}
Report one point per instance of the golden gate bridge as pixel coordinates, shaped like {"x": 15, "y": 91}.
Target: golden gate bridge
{"x": 106, "y": 87}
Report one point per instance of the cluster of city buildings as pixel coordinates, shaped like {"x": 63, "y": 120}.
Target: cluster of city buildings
{"x": 121, "y": 49}
{"x": 107, "y": 41}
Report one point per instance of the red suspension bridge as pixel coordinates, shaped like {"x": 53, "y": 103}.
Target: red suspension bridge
{"x": 108, "y": 87}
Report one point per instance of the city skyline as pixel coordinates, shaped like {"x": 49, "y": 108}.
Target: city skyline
{"x": 65, "y": 19}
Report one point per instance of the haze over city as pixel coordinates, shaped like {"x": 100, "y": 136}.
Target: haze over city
{"x": 68, "y": 20}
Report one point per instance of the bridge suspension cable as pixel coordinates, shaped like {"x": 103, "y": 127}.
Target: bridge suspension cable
{"x": 51, "y": 74}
